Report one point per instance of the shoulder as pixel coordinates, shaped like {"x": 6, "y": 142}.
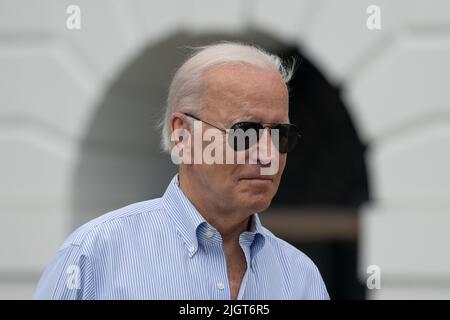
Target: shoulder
{"x": 115, "y": 223}
{"x": 74, "y": 265}
{"x": 298, "y": 267}
{"x": 286, "y": 251}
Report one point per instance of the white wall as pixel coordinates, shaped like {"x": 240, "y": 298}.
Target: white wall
{"x": 395, "y": 81}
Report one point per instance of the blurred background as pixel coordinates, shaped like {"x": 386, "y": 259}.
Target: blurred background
{"x": 369, "y": 183}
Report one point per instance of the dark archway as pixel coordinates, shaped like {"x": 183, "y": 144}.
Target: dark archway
{"x": 325, "y": 179}
{"x": 327, "y": 168}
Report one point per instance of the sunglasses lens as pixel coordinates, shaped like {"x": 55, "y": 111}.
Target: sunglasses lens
{"x": 288, "y": 136}
{"x": 244, "y": 135}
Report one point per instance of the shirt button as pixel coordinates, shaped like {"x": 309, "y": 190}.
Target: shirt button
{"x": 220, "y": 286}
{"x": 209, "y": 234}
{"x": 191, "y": 249}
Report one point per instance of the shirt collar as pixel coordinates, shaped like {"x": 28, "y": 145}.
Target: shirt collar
{"x": 188, "y": 221}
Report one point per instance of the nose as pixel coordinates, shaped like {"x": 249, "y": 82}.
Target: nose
{"x": 265, "y": 152}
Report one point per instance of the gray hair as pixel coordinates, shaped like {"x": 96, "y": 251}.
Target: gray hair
{"x": 186, "y": 88}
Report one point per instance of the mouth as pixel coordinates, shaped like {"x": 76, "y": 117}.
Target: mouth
{"x": 259, "y": 178}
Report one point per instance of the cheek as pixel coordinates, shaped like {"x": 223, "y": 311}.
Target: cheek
{"x": 222, "y": 174}
{"x": 282, "y": 164}
{"x": 283, "y": 159}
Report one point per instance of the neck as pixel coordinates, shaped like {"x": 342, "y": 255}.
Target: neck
{"x": 228, "y": 221}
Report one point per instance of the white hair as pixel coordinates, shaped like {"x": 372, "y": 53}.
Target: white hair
{"x": 187, "y": 87}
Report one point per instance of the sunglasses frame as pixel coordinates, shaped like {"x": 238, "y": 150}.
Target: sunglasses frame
{"x": 260, "y": 126}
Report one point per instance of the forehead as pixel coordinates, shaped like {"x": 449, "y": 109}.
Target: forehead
{"x": 245, "y": 91}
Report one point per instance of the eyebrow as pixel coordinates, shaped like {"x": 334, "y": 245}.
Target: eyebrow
{"x": 252, "y": 119}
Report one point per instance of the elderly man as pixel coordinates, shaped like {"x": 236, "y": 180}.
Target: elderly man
{"x": 203, "y": 238}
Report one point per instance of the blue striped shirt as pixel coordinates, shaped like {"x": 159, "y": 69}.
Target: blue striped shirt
{"x": 164, "y": 249}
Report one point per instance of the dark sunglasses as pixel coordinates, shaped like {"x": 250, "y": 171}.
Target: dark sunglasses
{"x": 240, "y": 134}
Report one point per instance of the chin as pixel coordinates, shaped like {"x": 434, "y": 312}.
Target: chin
{"x": 258, "y": 205}
{"x": 254, "y": 199}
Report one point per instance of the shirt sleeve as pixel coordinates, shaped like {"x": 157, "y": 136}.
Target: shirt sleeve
{"x": 69, "y": 276}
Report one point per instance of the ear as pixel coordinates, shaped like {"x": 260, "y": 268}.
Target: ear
{"x": 180, "y": 138}
{"x": 178, "y": 121}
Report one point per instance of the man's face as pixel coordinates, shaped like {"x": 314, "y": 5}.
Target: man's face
{"x": 236, "y": 93}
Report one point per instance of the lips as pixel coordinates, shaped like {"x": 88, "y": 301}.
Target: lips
{"x": 257, "y": 178}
